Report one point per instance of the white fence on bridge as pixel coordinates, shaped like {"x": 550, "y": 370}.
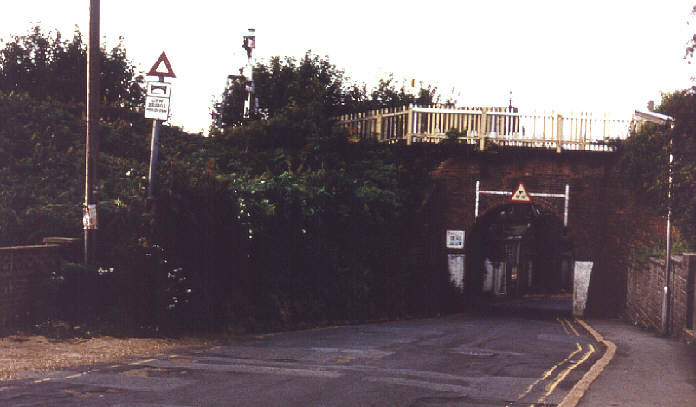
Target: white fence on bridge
{"x": 502, "y": 126}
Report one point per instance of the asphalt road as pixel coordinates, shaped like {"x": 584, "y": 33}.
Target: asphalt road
{"x": 463, "y": 360}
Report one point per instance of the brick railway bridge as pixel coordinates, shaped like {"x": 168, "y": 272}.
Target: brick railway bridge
{"x": 575, "y": 208}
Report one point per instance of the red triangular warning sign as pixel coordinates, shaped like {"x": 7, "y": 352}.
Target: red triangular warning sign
{"x": 154, "y": 71}
{"x": 520, "y": 195}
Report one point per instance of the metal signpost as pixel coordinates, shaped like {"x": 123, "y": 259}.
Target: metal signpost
{"x": 157, "y": 109}
{"x": 664, "y": 121}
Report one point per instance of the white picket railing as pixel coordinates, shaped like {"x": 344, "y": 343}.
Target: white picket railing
{"x": 502, "y": 126}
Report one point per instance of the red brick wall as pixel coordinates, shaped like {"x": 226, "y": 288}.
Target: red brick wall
{"x": 22, "y": 271}
{"x": 645, "y": 287}
{"x": 603, "y": 217}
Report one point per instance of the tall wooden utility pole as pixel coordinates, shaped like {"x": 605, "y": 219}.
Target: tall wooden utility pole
{"x": 89, "y": 215}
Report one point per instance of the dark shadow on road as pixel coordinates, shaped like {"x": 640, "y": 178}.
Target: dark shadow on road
{"x": 532, "y": 307}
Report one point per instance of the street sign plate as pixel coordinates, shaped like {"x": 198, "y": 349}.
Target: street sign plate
{"x": 159, "y": 89}
{"x": 157, "y": 108}
{"x": 89, "y": 217}
{"x": 455, "y": 239}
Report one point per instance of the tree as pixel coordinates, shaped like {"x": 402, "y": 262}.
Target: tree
{"x": 387, "y": 95}
{"x": 691, "y": 44}
{"x": 48, "y": 67}
{"x": 682, "y": 106}
{"x": 643, "y": 161}
{"x": 312, "y": 83}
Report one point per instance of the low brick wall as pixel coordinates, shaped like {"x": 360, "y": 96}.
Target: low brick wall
{"x": 644, "y": 294}
{"x": 23, "y": 272}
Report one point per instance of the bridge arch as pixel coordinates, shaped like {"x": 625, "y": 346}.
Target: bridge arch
{"x": 518, "y": 248}
{"x": 603, "y": 215}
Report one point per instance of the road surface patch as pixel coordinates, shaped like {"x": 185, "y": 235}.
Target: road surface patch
{"x": 567, "y": 332}
{"x": 452, "y": 388}
{"x": 239, "y": 368}
{"x": 135, "y": 383}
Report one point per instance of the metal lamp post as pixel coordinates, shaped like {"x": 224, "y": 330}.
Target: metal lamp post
{"x": 664, "y": 120}
{"x": 249, "y": 45}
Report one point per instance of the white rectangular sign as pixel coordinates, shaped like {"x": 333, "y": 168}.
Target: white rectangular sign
{"x": 157, "y": 108}
{"x": 160, "y": 89}
{"x": 89, "y": 217}
{"x": 455, "y": 239}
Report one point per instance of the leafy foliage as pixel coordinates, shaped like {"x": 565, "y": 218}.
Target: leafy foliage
{"x": 682, "y": 106}
{"x": 279, "y": 222}
{"x": 312, "y": 83}
{"x": 48, "y": 67}
{"x": 644, "y": 162}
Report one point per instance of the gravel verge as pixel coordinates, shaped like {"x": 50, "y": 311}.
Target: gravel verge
{"x": 36, "y": 353}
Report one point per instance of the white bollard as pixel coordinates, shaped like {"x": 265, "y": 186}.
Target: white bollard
{"x": 581, "y": 283}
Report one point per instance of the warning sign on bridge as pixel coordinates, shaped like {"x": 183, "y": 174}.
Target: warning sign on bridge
{"x": 520, "y": 194}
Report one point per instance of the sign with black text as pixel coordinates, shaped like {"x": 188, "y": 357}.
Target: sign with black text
{"x": 455, "y": 239}
{"x": 157, "y": 107}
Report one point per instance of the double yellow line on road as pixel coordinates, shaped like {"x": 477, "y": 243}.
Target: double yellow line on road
{"x": 563, "y": 323}
{"x": 562, "y": 374}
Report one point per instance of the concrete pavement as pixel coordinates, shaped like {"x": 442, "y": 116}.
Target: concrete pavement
{"x": 646, "y": 370}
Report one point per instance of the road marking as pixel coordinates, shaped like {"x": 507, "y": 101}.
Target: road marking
{"x": 345, "y": 359}
{"x": 140, "y": 362}
{"x": 127, "y": 382}
{"x": 245, "y": 369}
{"x": 570, "y": 325}
{"x": 364, "y": 353}
{"x": 422, "y": 384}
{"x": 575, "y": 394}
{"x": 362, "y": 368}
{"x": 563, "y": 325}
{"x": 42, "y": 380}
{"x": 75, "y": 375}
{"x": 562, "y": 375}
{"x": 550, "y": 371}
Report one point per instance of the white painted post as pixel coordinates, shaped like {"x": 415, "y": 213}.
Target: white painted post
{"x": 581, "y": 283}
{"x": 482, "y": 130}
{"x": 476, "y": 207}
{"x": 565, "y": 208}
{"x": 559, "y": 132}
